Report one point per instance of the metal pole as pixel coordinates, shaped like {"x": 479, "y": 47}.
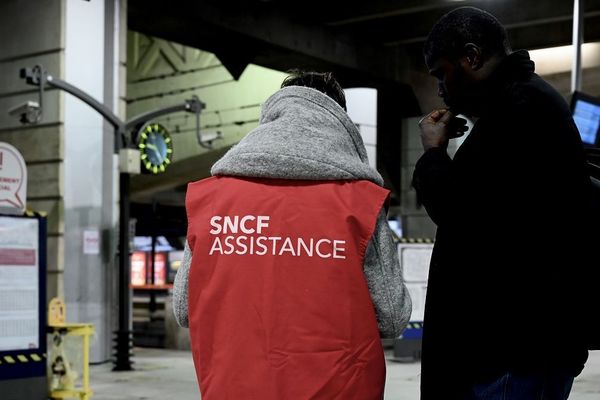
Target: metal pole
{"x": 187, "y": 106}
{"x": 124, "y": 335}
{"x": 577, "y": 43}
{"x": 152, "y": 306}
{"x": 89, "y": 100}
{"x": 153, "y": 255}
{"x": 194, "y": 105}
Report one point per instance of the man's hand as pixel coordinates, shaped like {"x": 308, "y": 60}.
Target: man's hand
{"x": 438, "y": 127}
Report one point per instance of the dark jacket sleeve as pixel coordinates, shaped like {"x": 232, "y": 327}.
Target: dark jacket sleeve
{"x": 432, "y": 181}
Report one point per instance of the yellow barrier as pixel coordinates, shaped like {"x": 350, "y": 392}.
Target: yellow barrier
{"x": 62, "y": 376}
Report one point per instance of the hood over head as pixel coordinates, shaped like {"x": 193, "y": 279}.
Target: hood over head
{"x": 303, "y": 134}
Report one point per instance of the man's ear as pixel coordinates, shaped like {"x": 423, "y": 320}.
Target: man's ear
{"x": 473, "y": 56}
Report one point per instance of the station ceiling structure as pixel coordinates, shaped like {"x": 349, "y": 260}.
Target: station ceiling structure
{"x": 364, "y": 42}
{"x": 375, "y": 43}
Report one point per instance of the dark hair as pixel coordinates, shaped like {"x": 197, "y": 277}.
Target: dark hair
{"x": 465, "y": 25}
{"x": 321, "y": 81}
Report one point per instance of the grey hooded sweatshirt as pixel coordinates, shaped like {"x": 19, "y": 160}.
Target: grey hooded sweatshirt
{"x": 305, "y": 135}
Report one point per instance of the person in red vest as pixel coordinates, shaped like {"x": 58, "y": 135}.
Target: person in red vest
{"x": 290, "y": 274}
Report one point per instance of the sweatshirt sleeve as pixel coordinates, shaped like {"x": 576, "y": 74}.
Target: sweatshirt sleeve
{"x": 180, "y": 288}
{"x": 383, "y": 273}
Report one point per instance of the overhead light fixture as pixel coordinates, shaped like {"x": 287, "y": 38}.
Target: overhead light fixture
{"x": 555, "y": 60}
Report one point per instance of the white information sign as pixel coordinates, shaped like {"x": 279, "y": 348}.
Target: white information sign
{"x": 91, "y": 241}
{"x": 19, "y": 284}
{"x": 415, "y": 262}
{"x": 418, "y": 294}
{"x": 13, "y": 180}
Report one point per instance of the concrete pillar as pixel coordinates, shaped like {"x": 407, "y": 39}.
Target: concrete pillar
{"x": 70, "y": 159}
{"x": 362, "y": 110}
{"x": 415, "y": 221}
{"x": 33, "y": 33}
{"x": 115, "y": 56}
{"x": 92, "y": 33}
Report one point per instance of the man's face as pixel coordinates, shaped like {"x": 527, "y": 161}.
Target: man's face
{"x": 454, "y": 85}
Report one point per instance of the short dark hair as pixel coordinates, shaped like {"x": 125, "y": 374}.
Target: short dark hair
{"x": 321, "y": 81}
{"x": 465, "y": 25}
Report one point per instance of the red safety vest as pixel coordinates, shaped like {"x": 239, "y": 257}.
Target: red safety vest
{"x": 279, "y": 308}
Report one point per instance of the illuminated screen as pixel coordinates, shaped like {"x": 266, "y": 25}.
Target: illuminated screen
{"x": 587, "y": 119}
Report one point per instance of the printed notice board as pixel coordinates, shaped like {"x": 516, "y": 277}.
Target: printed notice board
{"x": 22, "y": 296}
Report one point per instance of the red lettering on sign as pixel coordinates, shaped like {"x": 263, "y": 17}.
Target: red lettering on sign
{"x": 24, "y": 257}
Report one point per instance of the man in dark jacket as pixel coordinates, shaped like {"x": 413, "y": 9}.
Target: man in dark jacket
{"x": 502, "y": 313}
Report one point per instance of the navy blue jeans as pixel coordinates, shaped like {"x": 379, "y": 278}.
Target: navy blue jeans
{"x": 554, "y": 386}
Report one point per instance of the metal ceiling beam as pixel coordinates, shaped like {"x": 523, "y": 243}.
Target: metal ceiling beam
{"x": 557, "y": 34}
{"x": 412, "y": 25}
{"x": 262, "y": 31}
{"x": 371, "y": 11}
{"x": 526, "y": 34}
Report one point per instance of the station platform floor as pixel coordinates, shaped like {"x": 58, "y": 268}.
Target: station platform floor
{"x": 169, "y": 374}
